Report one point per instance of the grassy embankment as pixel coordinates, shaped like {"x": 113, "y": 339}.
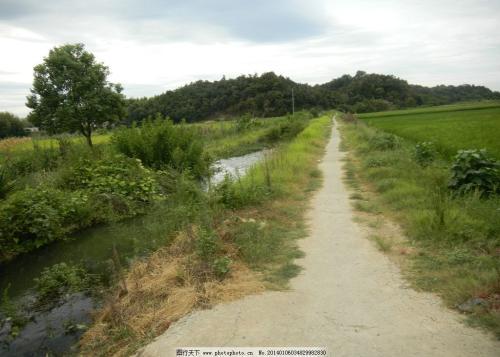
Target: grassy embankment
{"x": 241, "y": 239}
{"x": 454, "y": 239}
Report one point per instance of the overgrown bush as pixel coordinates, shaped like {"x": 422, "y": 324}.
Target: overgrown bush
{"x": 286, "y": 130}
{"x": 207, "y": 244}
{"x": 424, "y": 153}
{"x": 115, "y": 175}
{"x": 34, "y": 217}
{"x": 384, "y": 141}
{"x": 475, "y": 170}
{"x": 158, "y": 143}
{"x": 244, "y": 122}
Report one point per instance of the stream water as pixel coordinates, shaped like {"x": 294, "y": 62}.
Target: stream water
{"x": 56, "y": 329}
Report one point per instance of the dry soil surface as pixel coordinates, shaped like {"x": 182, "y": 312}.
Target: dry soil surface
{"x": 349, "y": 298}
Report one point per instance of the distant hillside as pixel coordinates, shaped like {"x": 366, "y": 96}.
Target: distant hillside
{"x": 270, "y": 95}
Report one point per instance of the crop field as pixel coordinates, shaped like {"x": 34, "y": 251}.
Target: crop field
{"x": 450, "y": 127}
{"x": 26, "y": 143}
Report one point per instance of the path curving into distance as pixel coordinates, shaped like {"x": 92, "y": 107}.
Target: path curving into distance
{"x": 349, "y": 298}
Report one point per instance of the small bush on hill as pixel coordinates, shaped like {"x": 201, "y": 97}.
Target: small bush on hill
{"x": 475, "y": 170}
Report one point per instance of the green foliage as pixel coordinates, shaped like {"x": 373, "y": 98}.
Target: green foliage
{"x": 11, "y": 125}
{"x": 425, "y": 153}
{"x": 245, "y": 122}
{"x": 158, "y": 143}
{"x": 115, "y": 175}
{"x": 286, "y": 130}
{"x": 222, "y": 266}
{"x": 6, "y": 183}
{"x": 315, "y": 112}
{"x": 7, "y": 307}
{"x": 372, "y": 105}
{"x": 34, "y": 217}
{"x": 269, "y": 95}
{"x": 475, "y": 170}
{"x": 60, "y": 279}
{"x": 383, "y": 141}
{"x": 11, "y": 311}
{"x": 207, "y": 244}
{"x": 71, "y": 93}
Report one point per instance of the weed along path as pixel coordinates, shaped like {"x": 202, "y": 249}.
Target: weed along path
{"x": 349, "y": 298}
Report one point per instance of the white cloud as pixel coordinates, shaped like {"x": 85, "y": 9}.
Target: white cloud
{"x": 153, "y": 47}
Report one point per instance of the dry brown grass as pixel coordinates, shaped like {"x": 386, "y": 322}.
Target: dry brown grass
{"x": 160, "y": 290}
{"x": 10, "y": 143}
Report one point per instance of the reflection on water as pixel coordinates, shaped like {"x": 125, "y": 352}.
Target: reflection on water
{"x": 235, "y": 166}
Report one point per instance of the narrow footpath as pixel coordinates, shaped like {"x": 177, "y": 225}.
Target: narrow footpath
{"x": 349, "y": 298}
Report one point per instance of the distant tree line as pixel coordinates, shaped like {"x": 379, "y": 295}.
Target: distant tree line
{"x": 271, "y": 95}
{"x": 11, "y": 125}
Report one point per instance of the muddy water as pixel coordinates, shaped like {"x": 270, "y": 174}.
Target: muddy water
{"x": 56, "y": 329}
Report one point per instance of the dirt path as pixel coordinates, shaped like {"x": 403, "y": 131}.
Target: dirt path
{"x": 349, "y": 298}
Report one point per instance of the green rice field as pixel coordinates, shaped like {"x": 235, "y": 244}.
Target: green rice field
{"x": 449, "y": 127}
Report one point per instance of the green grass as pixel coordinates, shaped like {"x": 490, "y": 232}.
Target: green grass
{"x": 450, "y": 128}
{"x": 47, "y": 142}
{"x": 456, "y": 238}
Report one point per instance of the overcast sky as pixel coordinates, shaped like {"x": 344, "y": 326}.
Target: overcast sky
{"x": 155, "y": 45}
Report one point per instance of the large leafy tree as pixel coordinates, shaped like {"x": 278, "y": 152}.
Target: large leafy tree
{"x": 71, "y": 93}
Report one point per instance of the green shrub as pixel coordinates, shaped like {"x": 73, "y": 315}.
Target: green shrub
{"x": 207, "y": 244}
{"x": 32, "y": 218}
{"x": 60, "y": 279}
{"x": 286, "y": 130}
{"x": 384, "y": 141}
{"x": 372, "y": 162}
{"x": 160, "y": 144}
{"x": 116, "y": 175}
{"x": 222, "y": 266}
{"x": 244, "y": 122}
{"x": 475, "y": 170}
{"x": 424, "y": 153}
{"x": 6, "y": 184}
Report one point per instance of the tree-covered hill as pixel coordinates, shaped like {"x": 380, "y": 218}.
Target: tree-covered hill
{"x": 271, "y": 95}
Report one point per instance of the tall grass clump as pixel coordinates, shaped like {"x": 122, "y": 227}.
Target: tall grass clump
{"x": 415, "y": 190}
{"x": 158, "y": 143}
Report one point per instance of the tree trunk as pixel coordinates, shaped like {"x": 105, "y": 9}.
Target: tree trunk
{"x": 89, "y": 139}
